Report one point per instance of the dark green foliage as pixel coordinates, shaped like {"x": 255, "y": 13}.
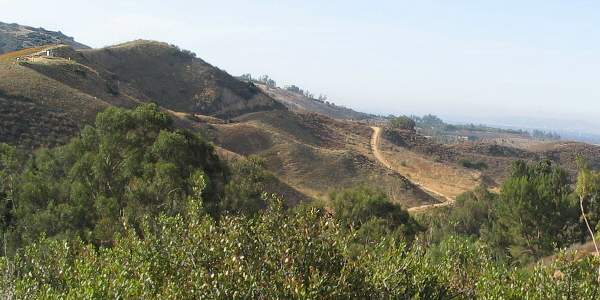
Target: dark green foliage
{"x": 472, "y": 211}
{"x": 131, "y": 164}
{"x": 136, "y": 209}
{"x": 372, "y": 214}
{"x": 11, "y": 165}
{"x": 477, "y": 165}
{"x": 402, "y": 122}
{"x": 244, "y": 192}
{"x": 470, "y": 215}
{"x": 588, "y": 190}
{"x": 278, "y": 255}
{"x": 535, "y": 214}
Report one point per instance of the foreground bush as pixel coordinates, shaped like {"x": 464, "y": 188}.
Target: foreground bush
{"x": 277, "y": 254}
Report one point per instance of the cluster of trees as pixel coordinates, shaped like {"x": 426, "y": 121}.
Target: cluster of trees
{"x": 294, "y": 254}
{"x": 435, "y": 124}
{"x": 429, "y": 121}
{"x": 264, "y": 79}
{"x": 130, "y": 165}
{"x": 543, "y": 135}
{"x": 401, "y": 122}
{"x": 372, "y": 215}
{"x": 536, "y": 213}
{"x": 135, "y": 208}
{"x": 295, "y": 89}
{"x": 477, "y": 165}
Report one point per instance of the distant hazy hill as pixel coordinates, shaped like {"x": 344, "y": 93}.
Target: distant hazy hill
{"x": 301, "y": 103}
{"x": 15, "y": 37}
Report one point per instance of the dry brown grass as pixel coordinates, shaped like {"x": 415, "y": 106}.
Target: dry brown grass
{"x": 244, "y": 138}
{"x": 176, "y": 80}
{"x": 437, "y": 176}
{"x": 316, "y": 154}
{"x": 22, "y": 82}
{"x": 31, "y": 125}
{"x": 445, "y": 178}
{"x": 21, "y": 53}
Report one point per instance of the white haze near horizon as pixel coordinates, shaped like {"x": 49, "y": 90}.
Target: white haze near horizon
{"x": 520, "y": 63}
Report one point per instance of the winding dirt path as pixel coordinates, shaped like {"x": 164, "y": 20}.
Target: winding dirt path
{"x": 375, "y": 143}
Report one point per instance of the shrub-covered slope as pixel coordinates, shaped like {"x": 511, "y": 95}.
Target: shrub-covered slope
{"x": 79, "y": 84}
{"x": 177, "y": 80}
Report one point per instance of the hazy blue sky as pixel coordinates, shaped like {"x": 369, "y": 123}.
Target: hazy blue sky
{"x": 496, "y": 62}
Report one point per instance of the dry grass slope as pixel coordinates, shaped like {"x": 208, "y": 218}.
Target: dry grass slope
{"x": 79, "y": 84}
{"x": 300, "y": 103}
{"x": 21, "y": 53}
{"x": 316, "y": 154}
{"x": 22, "y": 82}
{"x": 178, "y": 80}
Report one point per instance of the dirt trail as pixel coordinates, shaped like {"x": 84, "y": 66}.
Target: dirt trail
{"x": 375, "y": 142}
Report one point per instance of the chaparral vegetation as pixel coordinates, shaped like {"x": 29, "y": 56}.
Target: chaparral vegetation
{"x": 135, "y": 208}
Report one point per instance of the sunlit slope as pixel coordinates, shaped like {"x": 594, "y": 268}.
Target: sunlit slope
{"x": 316, "y": 154}
{"x": 76, "y": 85}
{"x": 177, "y": 80}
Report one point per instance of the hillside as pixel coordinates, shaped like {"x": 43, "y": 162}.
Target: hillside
{"x": 15, "y": 37}
{"x": 434, "y": 176}
{"x": 140, "y": 170}
{"x": 77, "y": 84}
{"x": 64, "y": 88}
{"x": 315, "y": 154}
{"x": 30, "y": 124}
{"x": 426, "y": 157}
{"x": 301, "y": 103}
{"x": 177, "y": 80}
{"x": 48, "y": 93}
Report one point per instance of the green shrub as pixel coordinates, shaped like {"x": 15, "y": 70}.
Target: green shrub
{"x": 244, "y": 191}
{"x": 130, "y": 164}
{"x": 370, "y": 211}
{"x": 536, "y": 213}
{"x": 292, "y": 255}
{"x": 402, "y": 122}
{"x": 477, "y": 165}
